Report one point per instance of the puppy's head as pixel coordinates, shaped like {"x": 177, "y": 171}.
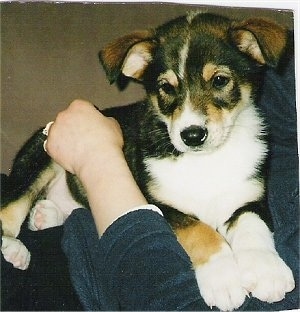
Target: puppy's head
{"x": 199, "y": 71}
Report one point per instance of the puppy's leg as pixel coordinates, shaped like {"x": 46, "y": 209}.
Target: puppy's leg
{"x": 59, "y": 204}
{"x": 54, "y": 210}
{"x": 15, "y": 252}
{"x": 45, "y": 214}
{"x": 215, "y": 267}
{"x": 13, "y": 214}
{"x": 263, "y": 272}
{"x": 31, "y": 172}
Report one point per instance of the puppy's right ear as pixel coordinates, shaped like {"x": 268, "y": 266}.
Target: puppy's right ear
{"x": 129, "y": 55}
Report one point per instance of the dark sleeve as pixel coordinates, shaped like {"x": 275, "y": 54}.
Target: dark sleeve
{"x": 136, "y": 265}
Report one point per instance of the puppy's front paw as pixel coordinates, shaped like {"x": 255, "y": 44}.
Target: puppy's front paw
{"x": 15, "y": 252}
{"x": 265, "y": 275}
{"x": 219, "y": 281}
{"x": 45, "y": 214}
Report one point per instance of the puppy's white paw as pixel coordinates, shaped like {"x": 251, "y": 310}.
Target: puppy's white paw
{"x": 45, "y": 214}
{"x": 219, "y": 281}
{"x": 15, "y": 252}
{"x": 265, "y": 275}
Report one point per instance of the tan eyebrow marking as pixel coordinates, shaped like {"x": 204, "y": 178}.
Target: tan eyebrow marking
{"x": 208, "y": 71}
{"x": 170, "y": 77}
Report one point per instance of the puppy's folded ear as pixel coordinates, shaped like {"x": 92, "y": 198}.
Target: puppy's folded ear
{"x": 129, "y": 55}
{"x": 261, "y": 39}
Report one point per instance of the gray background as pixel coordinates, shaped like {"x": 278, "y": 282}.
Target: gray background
{"x": 49, "y": 56}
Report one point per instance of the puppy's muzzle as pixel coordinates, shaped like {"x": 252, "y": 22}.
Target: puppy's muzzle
{"x": 194, "y": 136}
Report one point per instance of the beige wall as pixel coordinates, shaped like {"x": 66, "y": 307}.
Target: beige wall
{"x": 49, "y": 57}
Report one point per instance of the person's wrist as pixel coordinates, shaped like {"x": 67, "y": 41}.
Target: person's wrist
{"x": 100, "y": 163}
{"x": 110, "y": 186}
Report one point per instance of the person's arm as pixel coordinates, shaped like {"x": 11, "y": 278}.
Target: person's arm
{"x": 111, "y": 190}
{"x": 89, "y": 145}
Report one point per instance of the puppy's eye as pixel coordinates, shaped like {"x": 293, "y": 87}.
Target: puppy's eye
{"x": 220, "y": 82}
{"x": 167, "y": 88}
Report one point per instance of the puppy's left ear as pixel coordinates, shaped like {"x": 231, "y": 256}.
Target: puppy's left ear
{"x": 261, "y": 39}
{"x": 129, "y": 55}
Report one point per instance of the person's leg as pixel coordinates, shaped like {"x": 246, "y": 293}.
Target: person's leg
{"x": 278, "y": 103}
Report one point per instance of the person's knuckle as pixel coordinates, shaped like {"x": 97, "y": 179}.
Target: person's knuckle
{"x": 78, "y": 103}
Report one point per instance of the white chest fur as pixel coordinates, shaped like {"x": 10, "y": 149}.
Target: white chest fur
{"x": 213, "y": 185}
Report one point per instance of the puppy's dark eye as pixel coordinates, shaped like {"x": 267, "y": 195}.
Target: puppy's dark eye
{"x": 220, "y": 82}
{"x": 167, "y": 88}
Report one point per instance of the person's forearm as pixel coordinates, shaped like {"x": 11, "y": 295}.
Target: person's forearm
{"x": 111, "y": 190}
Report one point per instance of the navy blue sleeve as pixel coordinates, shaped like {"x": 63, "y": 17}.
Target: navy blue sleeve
{"x": 136, "y": 265}
{"x": 152, "y": 271}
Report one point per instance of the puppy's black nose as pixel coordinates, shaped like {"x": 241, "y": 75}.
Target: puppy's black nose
{"x": 193, "y": 136}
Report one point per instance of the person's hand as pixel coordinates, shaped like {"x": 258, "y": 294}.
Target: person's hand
{"x": 90, "y": 145}
{"x": 81, "y": 135}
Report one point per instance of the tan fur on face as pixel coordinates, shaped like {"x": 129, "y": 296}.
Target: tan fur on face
{"x": 170, "y": 77}
{"x": 176, "y": 114}
{"x": 214, "y": 114}
{"x": 217, "y": 115}
{"x": 208, "y": 71}
{"x": 200, "y": 241}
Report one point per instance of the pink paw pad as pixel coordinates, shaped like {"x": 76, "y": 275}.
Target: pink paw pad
{"x": 45, "y": 214}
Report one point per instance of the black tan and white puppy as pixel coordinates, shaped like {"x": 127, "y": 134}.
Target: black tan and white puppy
{"x": 195, "y": 146}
